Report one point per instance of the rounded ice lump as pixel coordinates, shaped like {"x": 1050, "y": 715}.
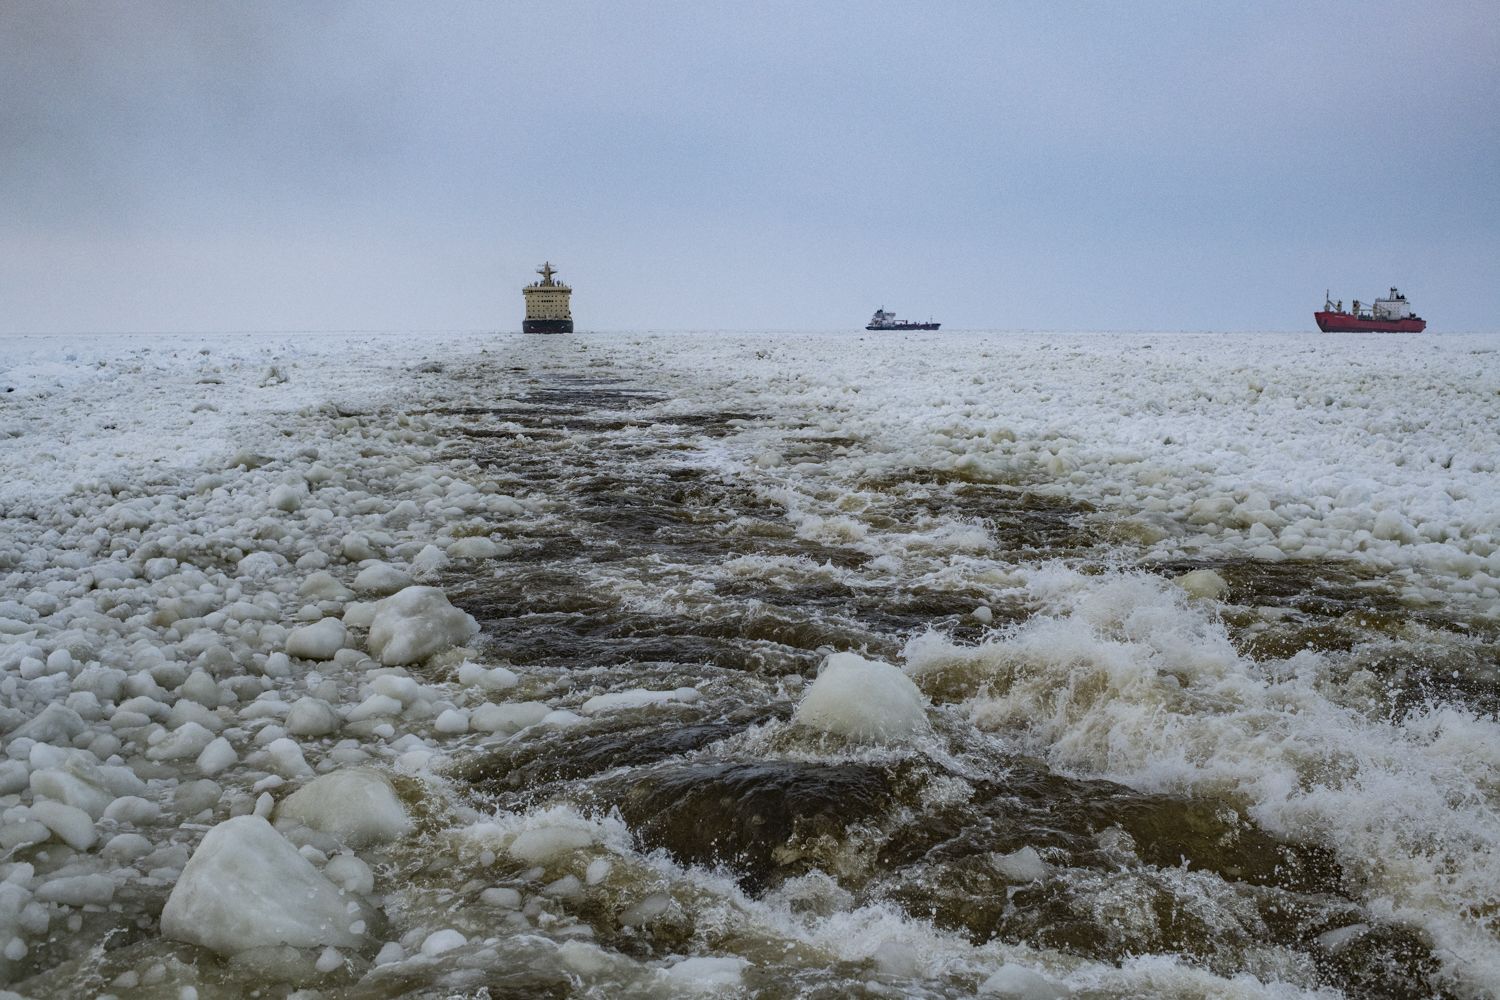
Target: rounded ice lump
{"x": 415, "y": 623}
{"x": 864, "y": 700}
{"x": 247, "y": 887}
{"x": 357, "y": 805}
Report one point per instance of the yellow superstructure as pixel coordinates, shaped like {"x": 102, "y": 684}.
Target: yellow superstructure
{"x": 547, "y": 304}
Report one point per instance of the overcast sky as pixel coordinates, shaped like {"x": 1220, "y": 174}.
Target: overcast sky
{"x": 715, "y": 165}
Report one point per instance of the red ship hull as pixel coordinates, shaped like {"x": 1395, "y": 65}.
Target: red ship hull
{"x": 1338, "y": 322}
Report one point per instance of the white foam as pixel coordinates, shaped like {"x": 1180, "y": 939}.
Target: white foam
{"x": 1122, "y": 677}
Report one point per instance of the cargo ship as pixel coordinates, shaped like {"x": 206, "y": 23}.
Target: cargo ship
{"x": 547, "y": 308}
{"x": 883, "y": 320}
{"x": 1388, "y": 315}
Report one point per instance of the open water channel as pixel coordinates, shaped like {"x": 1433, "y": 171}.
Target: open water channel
{"x": 664, "y": 554}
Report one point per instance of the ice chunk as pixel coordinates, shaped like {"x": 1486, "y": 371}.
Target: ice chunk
{"x": 1019, "y": 981}
{"x": 192, "y": 797}
{"x": 84, "y": 791}
{"x": 567, "y": 887}
{"x": 561, "y": 718}
{"x": 319, "y": 641}
{"x": 453, "y": 720}
{"x": 217, "y": 756}
{"x": 404, "y": 689}
{"x": 707, "y": 972}
{"x": 429, "y": 562}
{"x": 373, "y": 707}
{"x": 864, "y": 700}
{"x": 356, "y": 547}
{"x": 357, "y": 805}
{"x": 311, "y": 716}
{"x": 324, "y": 586}
{"x": 348, "y": 872}
{"x": 286, "y": 757}
{"x": 133, "y": 809}
{"x": 501, "y": 897}
{"x": 508, "y": 717}
{"x": 442, "y": 941}
{"x": 54, "y": 724}
{"x": 1203, "y": 583}
{"x": 247, "y": 887}
{"x": 201, "y": 688}
{"x": 126, "y": 847}
{"x": 14, "y": 776}
{"x": 544, "y": 843}
{"x": 260, "y": 565}
{"x": 1392, "y": 527}
{"x": 414, "y": 624}
{"x": 286, "y": 496}
{"x": 487, "y": 678}
{"x": 15, "y": 833}
{"x": 1024, "y": 865}
{"x": 381, "y": 578}
{"x": 477, "y": 547}
{"x": 637, "y": 698}
{"x": 78, "y": 890}
{"x": 187, "y": 740}
{"x": 69, "y": 824}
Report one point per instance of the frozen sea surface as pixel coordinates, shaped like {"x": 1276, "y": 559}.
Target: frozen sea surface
{"x": 713, "y": 664}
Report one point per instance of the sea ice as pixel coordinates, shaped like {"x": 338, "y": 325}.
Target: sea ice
{"x": 1203, "y": 583}
{"x": 381, "y": 578}
{"x": 544, "y": 843}
{"x": 1023, "y": 865}
{"x": 77, "y": 890}
{"x": 216, "y": 757}
{"x": 1021, "y": 982}
{"x": 487, "y": 678}
{"x": 864, "y": 700}
{"x": 247, "y": 887}
{"x": 477, "y": 547}
{"x": 70, "y": 824}
{"x": 357, "y": 805}
{"x": 707, "y": 972}
{"x": 442, "y": 941}
{"x": 637, "y": 698}
{"x": 319, "y": 641}
{"x": 415, "y": 623}
{"x": 311, "y": 716}
{"x": 509, "y": 716}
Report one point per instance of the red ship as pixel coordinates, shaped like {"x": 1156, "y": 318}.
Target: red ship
{"x": 1388, "y": 315}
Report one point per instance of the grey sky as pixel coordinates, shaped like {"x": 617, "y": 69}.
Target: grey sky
{"x": 226, "y": 166}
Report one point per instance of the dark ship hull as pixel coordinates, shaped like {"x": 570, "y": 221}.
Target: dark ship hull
{"x": 547, "y": 326}
{"x": 1337, "y": 322}
{"x": 903, "y": 325}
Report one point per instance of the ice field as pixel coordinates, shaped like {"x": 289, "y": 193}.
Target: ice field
{"x": 643, "y": 665}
